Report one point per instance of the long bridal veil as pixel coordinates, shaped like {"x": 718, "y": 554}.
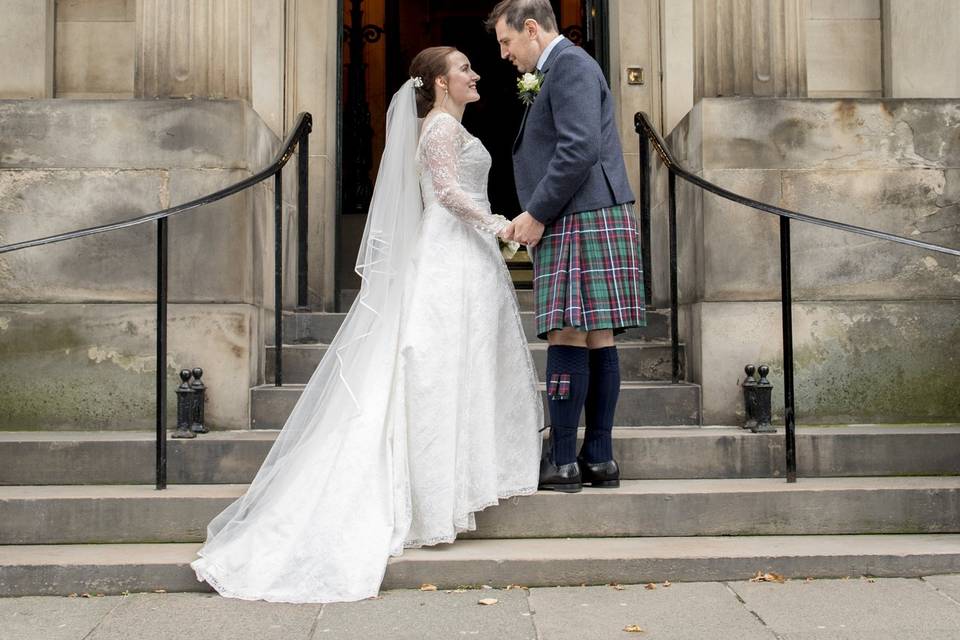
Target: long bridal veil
{"x": 331, "y": 501}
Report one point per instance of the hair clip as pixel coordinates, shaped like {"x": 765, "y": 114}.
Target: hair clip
{"x": 417, "y": 82}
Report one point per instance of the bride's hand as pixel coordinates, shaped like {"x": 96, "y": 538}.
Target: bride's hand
{"x": 506, "y": 233}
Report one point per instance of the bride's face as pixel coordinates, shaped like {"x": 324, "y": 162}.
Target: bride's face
{"x": 460, "y": 81}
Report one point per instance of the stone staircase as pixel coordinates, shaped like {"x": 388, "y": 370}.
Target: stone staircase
{"x": 78, "y": 512}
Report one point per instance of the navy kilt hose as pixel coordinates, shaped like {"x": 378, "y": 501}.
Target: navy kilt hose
{"x": 587, "y": 272}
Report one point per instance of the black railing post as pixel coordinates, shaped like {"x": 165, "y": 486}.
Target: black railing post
{"x": 161, "y": 383}
{"x": 646, "y": 185}
{"x": 786, "y": 298}
{"x": 278, "y": 275}
{"x": 303, "y": 159}
{"x": 674, "y": 314}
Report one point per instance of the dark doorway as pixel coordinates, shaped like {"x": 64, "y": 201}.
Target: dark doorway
{"x": 376, "y": 58}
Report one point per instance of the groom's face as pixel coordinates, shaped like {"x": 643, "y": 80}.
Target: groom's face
{"x": 519, "y": 47}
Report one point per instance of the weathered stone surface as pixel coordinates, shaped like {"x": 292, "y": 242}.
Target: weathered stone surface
{"x": 101, "y": 267}
{"x": 843, "y": 57}
{"x": 921, "y": 48}
{"x": 26, "y": 48}
{"x": 855, "y": 361}
{"x": 92, "y": 366}
{"x": 95, "y": 59}
{"x": 135, "y": 134}
{"x": 745, "y": 133}
{"x": 96, "y": 10}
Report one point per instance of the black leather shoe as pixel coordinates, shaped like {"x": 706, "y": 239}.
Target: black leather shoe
{"x": 565, "y": 478}
{"x": 600, "y": 474}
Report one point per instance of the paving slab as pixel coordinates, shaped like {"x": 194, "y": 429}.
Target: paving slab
{"x": 948, "y": 586}
{"x": 180, "y": 616}
{"x": 681, "y": 611}
{"x": 416, "y": 615}
{"x": 851, "y": 608}
{"x": 53, "y": 618}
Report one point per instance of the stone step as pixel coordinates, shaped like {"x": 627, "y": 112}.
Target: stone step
{"x": 320, "y": 328}
{"x": 524, "y": 298}
{"x": 38, "y": 457}
{"x": 639, "y": 361}
{"x": 640, "y": 404}
{"x": 115, "y": 568}
{"x": 78, "y": 514}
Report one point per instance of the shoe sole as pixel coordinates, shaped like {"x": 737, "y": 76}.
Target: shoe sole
{"x": 562, "y": 488}
{"x": 604, "y": 484}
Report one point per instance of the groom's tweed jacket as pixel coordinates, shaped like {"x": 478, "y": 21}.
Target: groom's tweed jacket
{"x": 567, "y": 157}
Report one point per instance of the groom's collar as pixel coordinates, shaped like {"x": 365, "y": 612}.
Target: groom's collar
{"x": 543, "y": 64}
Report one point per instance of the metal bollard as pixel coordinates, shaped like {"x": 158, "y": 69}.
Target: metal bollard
{"x": 199, "y": 395}
{"x": 184, "y": 407}
{"x": 763, "y": 407}
{"x": 749, "y": 397}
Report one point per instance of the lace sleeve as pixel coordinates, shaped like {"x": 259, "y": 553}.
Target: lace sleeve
{"x": 440, "y": 149}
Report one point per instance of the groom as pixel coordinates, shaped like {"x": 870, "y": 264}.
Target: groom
{"x": 578, "y": 221}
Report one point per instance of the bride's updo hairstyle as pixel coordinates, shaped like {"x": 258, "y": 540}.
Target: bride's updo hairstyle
{"x": 428, "y": 65}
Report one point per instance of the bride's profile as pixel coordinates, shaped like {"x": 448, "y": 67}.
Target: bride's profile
{"x": 425, "y": 408}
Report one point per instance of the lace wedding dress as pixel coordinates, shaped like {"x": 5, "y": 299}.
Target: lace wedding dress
{"x": 424, "y": 411}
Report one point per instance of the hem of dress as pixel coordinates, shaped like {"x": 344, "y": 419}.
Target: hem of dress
{"x": 201, "y": 567}
{"x": 450, "y": 538}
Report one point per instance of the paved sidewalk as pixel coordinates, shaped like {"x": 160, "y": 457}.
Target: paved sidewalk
{"x": 849, "y": 609}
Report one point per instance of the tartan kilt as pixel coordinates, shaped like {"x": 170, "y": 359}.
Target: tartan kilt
{"x": 587, "y": 272}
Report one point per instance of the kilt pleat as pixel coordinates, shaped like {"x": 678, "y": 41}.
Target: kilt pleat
{"x": 587, "y": 272}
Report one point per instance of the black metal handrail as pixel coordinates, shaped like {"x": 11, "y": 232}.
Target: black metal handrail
{"x": 648, "y": 134}
{"x": 298, "y": 137}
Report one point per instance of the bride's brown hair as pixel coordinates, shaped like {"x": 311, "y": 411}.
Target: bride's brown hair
{"x": 428, "y": 65}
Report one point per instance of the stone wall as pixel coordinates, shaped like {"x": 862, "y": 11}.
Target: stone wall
{"x": 877, "y": 325}
{"x": 77, "y": 319}
{"x": 95, "y": 48}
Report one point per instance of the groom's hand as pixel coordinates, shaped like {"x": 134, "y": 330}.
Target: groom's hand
{"x": 506, "y": 234}
{"x": 527, "y": 229}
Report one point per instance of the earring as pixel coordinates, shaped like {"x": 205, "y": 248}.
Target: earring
{"x": 444, "y": 101}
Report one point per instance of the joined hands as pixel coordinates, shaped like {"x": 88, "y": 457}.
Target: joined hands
{"x": 524, "y": 229}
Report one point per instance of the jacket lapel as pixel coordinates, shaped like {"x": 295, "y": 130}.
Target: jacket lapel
{"x": 563, "y": 44}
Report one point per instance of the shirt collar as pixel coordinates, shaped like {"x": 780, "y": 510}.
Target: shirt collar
{"x": 546, "y": 52}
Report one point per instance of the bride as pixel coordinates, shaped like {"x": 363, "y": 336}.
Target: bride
{"x": 425, "y": 409}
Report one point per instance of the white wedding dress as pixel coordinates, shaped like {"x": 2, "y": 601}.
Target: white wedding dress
{"x": 425, "y": 409}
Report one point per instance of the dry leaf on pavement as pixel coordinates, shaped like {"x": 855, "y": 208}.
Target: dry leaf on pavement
{"x": 487, "y": 601}
{"x": 618, "y": 587}
{"x": 667, "y": 583}
{"x": 650, "y": 586}
{"x": 517, "y": 586}
{"x": 634, "y": 628}
{"x": 428, "y": 587}
{"x": 768, "y": 577}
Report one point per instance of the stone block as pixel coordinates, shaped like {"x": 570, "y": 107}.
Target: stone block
{"x": 114, "y": 266}
{"x": 95, "y": 59}
{"x": 921, "y": 48}
{"x": 210, "y": 247}
{"x": 921, "y": 204}
{"x": 134, "y": 134}
{"x": 27, "y": 50}
{"x": 96, "y": 10}
{"x": 843, "y": 10}
{"x": 92, "y": 366}
{"x": 746, "y": 133}
{"x": 843, "y": 56}
{"x": 855, "y": 362}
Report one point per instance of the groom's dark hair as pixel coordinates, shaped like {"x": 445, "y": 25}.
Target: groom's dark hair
{"x": 516, "y": 12}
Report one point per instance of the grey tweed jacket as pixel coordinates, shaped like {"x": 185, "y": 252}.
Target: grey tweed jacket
{"x": 567, "y": 156}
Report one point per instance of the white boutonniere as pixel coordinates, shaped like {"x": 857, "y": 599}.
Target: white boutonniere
{"x": 528, "y": 87}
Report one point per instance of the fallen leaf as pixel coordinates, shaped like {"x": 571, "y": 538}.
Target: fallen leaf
{"x": 159, "y": 590}
{"x": 650, "y": 586}
{"x": 871, "y": 580}
{"x": 428, "y": 587}
{"x": 768, "y": 577}
{"x": 517, "y": 586}
{"x": 487, "y": 601}
{"x": 72, "y": 595}
{"x": 667, "y": 583}
{"x": 634, "y": 628}
{"x": 618, "y": 587}
{"x": 85, "y": 595}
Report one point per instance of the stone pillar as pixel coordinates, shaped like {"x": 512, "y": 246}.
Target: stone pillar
{"x": 921, "y": 49}
{"x": 750, "y": 48}
{"x": 311, "y": 85}
{"x": 26, "y": 47}
{"x": 193, "y": 48}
